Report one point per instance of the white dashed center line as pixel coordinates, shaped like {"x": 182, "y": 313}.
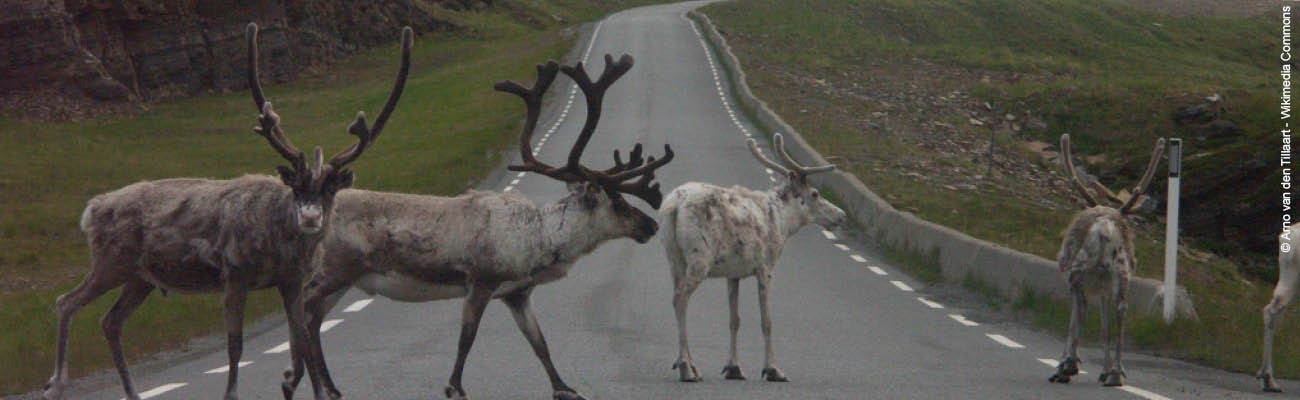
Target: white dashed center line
{"x": 877, "y": 270}
{"x": 327, "y": 325}
{"x": 929, "y": 303}
{"x": 842, "y": 247}
{"x": 1142, "y": 393}
{"x": 858, "y": 258}
{"x": 283, "y": 347}
{"x": 226, "y": 368}
{"x": 1004, "y": 341}
{"x": 358, "y": 305}
{"x": 901, "y": 286}
{"x": 160, "y": 390}
{"x": 962, "y": 320}
{"x": 1052, "y": 363}
{"x": 828, "y": 234}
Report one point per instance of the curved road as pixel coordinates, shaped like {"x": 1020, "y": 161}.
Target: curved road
{"x": 847, "y": 324}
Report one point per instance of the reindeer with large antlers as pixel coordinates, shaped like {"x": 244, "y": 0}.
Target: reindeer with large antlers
{"x": 1097, "y": 259}
{"x": 200, "y": 235}
{"x": 735, "y": 233}
{"x": 485, "y": 245}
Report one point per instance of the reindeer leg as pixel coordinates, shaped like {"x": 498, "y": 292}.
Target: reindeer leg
{"x": 475, "y": 302}
{"x": 1273, "y": 313}
{"x": 1069, "y": 365}
{"x": 236, "y": 295}
{"x": 133, "y": 294}
{"x": 289, "y": 294}
{"x": 732, "y": 370}
{"x": 1117, "y": 374}
{"x": 685, "y": 366}
{"x": 317, "y": 298}
{"x": 96, "y": 284}
{"x": 1107, "y": 308}
{"x": 521, "y": 309}
{"x": 769, "y": 360}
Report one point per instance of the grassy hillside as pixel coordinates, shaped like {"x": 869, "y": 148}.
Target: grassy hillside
{"x": 907, "y": 94}
{"x": 448, "y": 131}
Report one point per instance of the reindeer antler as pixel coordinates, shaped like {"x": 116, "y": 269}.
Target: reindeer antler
{"x": 1077, "y": 184}
{"x": 270, "y": 121}
{"x": 366, "y": 136}
{"x": 613, "y": 178}
{"x": 1141, "y": 188}
{"x": 778, "y": 147}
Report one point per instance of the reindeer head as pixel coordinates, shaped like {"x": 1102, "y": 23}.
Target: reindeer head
{"x": 315, "y": 185}
{"x": 1138, "y": 191}
{"x": 599, "y": 193}
{"x": 797, "y": 194}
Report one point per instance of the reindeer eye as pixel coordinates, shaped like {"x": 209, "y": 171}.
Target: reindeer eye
{"x": 815, "y": 194}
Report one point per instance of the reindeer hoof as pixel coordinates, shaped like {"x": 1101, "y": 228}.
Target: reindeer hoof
{"x": 1269, "y": 385}
{"x": 455, "y": 394}
{"x": 1058, "y": 378}
{"x": 774, "y": 375}
{"x": 567, "y": 395}
{"x": 1113, "y": 378}
{"x": 732, "y": 372}
{"x": 687, "y": 371}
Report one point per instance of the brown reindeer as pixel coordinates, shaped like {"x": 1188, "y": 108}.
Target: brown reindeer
{"x": 1097, "y": 259}
{"x": 201, "y": 235}
{"x": 485, "y": 245}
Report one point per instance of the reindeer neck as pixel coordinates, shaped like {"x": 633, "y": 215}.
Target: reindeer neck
{"x": 568, "y": 231}
{"x": 787, "y": 219}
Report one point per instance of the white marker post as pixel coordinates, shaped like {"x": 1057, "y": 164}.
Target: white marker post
{"x": 1171, "y": 229}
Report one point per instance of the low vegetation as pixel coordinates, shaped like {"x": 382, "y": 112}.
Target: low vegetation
{"x": 907, "y": 94}
{"x": 447, "y": 132}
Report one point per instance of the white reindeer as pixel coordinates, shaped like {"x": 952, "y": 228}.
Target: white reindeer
{"x": 716, "y": 232}
{"x": 1288, "y": 276}
{"x": 1097, "y": 259}
{"x": 485, "y": 245}
{"x": 201, "y": 235}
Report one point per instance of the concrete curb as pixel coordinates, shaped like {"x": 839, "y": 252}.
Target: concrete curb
{"x": 959, "y": 255}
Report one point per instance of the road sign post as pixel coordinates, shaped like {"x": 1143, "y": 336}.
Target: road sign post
{"x": 1170, "y": 292}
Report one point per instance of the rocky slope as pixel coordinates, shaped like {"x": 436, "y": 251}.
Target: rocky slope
{"x": 75, "y": 58}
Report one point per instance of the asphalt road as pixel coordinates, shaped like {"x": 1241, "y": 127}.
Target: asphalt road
{"x": 842, "y": 329}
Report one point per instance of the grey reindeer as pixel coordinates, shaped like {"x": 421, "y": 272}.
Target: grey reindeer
{"x": 1288, "y": 277}
{"x": 199, "y": 235}
{"x": 736, "y": 233}
{"x": 1097, "y": 260}
{"x": 485, "y": 245}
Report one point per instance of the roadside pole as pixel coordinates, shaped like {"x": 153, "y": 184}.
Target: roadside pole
{"x": 1171, "y": 230}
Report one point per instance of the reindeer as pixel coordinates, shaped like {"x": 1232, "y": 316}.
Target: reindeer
{"x": 1283, "y": 294}
{"x": 485, "y": 245}
{"x": 1097, "y": 259}
{"x": 200, "y": 235}
{"x": 716, "y": 232}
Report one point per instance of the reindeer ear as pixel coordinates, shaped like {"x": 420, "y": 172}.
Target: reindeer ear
{"x": 287, "y": 175}
{"x": 339, "y": 180}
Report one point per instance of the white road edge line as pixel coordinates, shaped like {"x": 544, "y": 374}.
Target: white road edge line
{"x": 929, "y": 303}
{"x": 1004, "y": 341}
{"x": 877, "y": 270}
{"x": 358, "y": 305}
{"x": 828, "y": 234}
{"x": 1052, "y": 363}
{"x": 858, "y": 258}
{"x": 225, "y": 368}
{"x": 901, "y": 286}
{"x": 961, "y": 319}
{"x": 160, "y": 390}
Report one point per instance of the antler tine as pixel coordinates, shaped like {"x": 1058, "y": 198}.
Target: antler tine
{"x": 753, "y": 148}
{"x": 533, "y": 103}
{"x": 651, "y": 165}
{"x": 270, "y": 121}
{"x": 633, "y": 160}
{"x": 641, "y": 188}
{"x": 779, "y": 145}
{"x": 594, "y": 93}
{"x": 1141, "y": 188}
{"x": 1078, "y": 186}
{"x": 366, "y": 136}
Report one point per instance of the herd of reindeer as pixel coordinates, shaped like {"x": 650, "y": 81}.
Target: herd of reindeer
{"x": 309, "y": 236}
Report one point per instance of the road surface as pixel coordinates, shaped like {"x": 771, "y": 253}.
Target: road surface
{"x": 847, "y": 324}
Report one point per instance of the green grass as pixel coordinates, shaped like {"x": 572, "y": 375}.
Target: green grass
{"x": 448, "y": 131}
{"x": 1109, "y": 74}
